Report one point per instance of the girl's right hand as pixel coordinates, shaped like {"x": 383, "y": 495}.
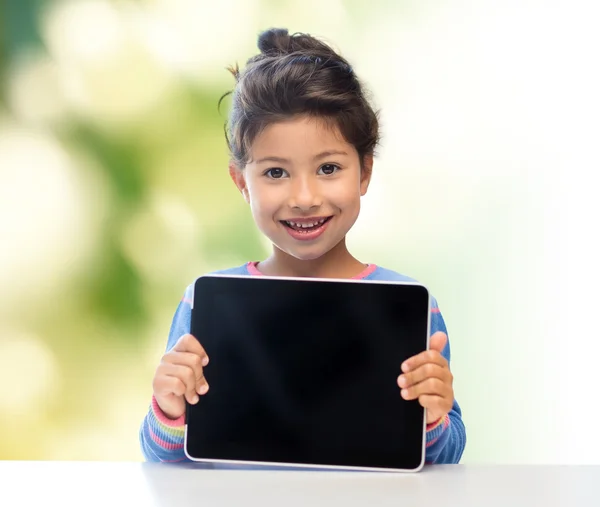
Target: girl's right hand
{"x": 180, "y": 376}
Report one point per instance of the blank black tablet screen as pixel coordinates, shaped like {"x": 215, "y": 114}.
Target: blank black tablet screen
{"x": 305, "y": 372}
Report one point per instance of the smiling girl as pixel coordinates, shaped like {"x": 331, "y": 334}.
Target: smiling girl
{"x": 302, "y": 137}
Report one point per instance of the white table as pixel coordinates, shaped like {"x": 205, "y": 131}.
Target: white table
{"x": 86, "y": 484}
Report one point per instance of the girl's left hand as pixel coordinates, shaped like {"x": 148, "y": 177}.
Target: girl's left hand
{"x": 427, "y": 377}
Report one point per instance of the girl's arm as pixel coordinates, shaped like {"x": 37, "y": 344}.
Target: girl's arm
{"x": 447, "y": 438}
{"x": 161, "y": 438}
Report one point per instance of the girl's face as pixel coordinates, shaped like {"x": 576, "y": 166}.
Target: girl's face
{"x": 303, "y": 183}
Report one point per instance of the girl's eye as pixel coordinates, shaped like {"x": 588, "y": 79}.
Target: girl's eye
{"x": 275, "y": 173}
{"x": 328, "y": 169}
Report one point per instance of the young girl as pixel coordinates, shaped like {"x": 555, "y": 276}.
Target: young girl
{"x": 302, "y": 138}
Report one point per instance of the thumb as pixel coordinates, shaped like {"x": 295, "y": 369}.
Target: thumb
{"x": 438, "y": 341}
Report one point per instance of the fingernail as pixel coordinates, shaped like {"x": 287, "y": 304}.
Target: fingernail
{"x": 404, "y": 367}
{"x": 404, "y": 393}
{"x": 205, "y": 361}
{"x": 401, "y": 380}
{"x": 204, "y": 389}
{"x": 195, "y": 399}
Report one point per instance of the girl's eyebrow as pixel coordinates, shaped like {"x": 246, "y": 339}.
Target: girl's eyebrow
{"x": 281, "y": 160}
{"x": 278, "y": 160}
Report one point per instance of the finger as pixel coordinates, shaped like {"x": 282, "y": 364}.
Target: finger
{"x": 166, "y": 385}
{"x": 427, "y": 356}
{"x": 438, "y": 341}
{"x": 186, "y": 376}
{"x": 192, "y": 361}
{"x": 431, "y": 386}
{"x": 436, "y": 406}
{"x": 428, "y": 370}
{"x": 189, "y": 343}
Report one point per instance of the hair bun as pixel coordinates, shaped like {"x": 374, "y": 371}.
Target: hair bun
{"x": 274, "y": 40}
{"x": 279, "y": 42}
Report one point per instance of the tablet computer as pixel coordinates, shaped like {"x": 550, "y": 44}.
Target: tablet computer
{"x": 303, "y": 373}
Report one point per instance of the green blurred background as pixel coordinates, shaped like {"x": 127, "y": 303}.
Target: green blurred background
{"x": 114, "y": 196}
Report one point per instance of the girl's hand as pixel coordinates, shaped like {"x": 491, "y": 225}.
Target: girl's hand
{"x": 180, "y": 376}
{"x": 427, "y": 377}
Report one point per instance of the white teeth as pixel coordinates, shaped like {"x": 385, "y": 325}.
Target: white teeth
{"x": 305, "y": 225}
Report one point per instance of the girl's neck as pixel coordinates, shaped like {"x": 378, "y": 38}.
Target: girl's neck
{"x": 337, "y": 263}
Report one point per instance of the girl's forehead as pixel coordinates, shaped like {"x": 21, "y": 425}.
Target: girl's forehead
{"x": 300, "y": 132}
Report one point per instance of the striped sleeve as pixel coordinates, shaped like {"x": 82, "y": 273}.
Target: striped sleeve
{"x": 161, "y": 438}
{"x": 445, "y": 438}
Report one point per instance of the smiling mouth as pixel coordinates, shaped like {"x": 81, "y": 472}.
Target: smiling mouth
{"x": 306, "y": 225}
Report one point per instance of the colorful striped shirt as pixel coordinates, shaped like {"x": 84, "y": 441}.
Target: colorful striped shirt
{"x": 162, "y": 439}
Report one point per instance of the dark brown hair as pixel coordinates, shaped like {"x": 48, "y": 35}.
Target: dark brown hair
{"x": 296, "y": 75}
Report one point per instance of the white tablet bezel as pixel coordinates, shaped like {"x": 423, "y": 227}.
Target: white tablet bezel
{"x": 318, "y": 466}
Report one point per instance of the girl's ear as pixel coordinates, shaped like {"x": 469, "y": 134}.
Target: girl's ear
{"x": 365, "y": 174}
{"x": 237, "y": 175}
